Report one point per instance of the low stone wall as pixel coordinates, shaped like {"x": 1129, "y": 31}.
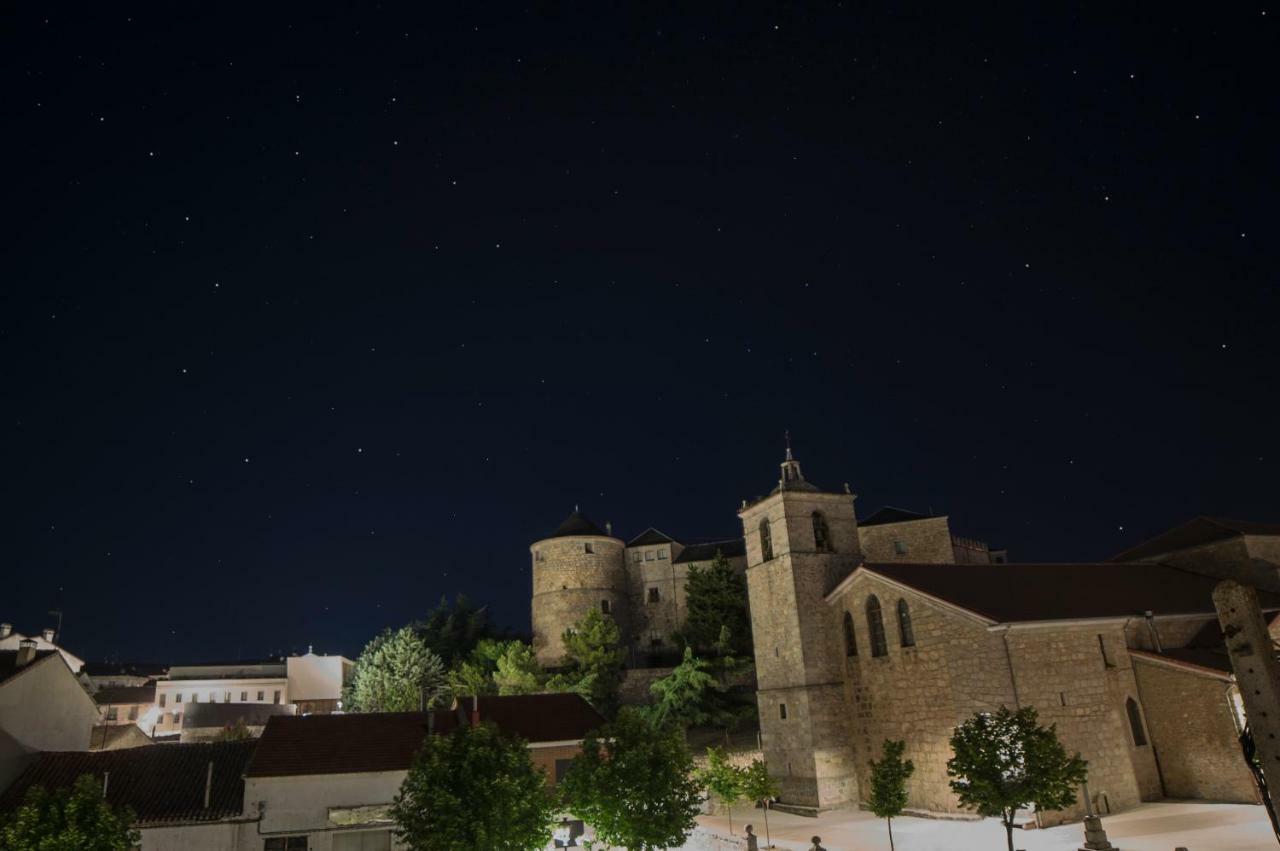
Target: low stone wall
{"x": 705, "y": 839}
{"x": 634, "y": 690}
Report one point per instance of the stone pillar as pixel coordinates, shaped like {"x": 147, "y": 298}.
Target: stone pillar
{"x": 1253, "y": 659}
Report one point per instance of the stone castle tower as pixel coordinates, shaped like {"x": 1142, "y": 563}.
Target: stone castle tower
{"x": 577, "y": 568}
{"x": 800, "y": 542}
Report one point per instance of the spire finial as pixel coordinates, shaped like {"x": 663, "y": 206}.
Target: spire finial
{"x": 575, "y": 508}
{"x": 787, "y": 436}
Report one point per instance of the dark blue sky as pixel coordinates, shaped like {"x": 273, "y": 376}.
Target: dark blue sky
{"x": 311, "y": 317}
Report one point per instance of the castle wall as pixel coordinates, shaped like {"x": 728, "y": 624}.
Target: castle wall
{"x": 655, "y": 622}
{"x": 1191, "y": 725}
{"x": 925, "y": 541}
{"x": 568, "y": 582}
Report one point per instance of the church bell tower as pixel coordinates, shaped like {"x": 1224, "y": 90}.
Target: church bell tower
{"x": 801, "y": 541}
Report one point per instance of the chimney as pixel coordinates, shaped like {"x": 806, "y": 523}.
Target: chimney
{"x": 475, "y": 710}
{"x": 26, "y": 652}
{"x": 47, "y": 634}
{"x": 6, "y": 630}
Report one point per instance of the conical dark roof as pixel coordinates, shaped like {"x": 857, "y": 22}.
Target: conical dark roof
{"x": 576, "y": 523}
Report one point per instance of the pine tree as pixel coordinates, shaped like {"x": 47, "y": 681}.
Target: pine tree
{"x": 396, "y": 673}
{"x": 716, "y": 598}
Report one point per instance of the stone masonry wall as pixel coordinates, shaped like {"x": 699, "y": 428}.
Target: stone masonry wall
{"x": 568, "y": 582}
{"x": 926, "y": 540}
{"x": 1190, "y": 723}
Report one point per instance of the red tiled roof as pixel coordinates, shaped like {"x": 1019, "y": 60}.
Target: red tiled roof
{"x": 1012, "y": 593}
{"x": 160, "y": 783}
{"x": 387, "y": 741}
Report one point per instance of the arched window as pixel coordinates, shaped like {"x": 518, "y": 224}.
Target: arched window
{"x": 850, "y": 640}
{"x": 875, "y": 626}
{"x": 905, "y": 632}
{"x": 1135, "y": 722}
{"x": 766, "y": 541}
{"x": 821, "y": 534}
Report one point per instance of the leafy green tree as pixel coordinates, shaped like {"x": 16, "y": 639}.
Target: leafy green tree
{"x": 74, "y": 819}
{"x": 452, "y": 630}
{"x": 692, "y": 696}
{"x": 889, "y": 783}
{"x": 396, "y": 673}
{"x": 593, "y": 656}
{"x": 716, "y": 599}
{"x": 723, "y": 779}
{"x": 634, "y": 785}
{"x": 758, "y": 785}
{"x": 474, "y": 788}
{"x": 517, "y": 670}
{"x": 1005, "y": 761}
{"x": 474, "y": 674}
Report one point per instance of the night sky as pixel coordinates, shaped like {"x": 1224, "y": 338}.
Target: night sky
{"x": 309, "y": 318}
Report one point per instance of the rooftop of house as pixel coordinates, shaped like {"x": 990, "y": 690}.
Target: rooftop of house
{"x": 889, "y": 514}
{"x": 577, "y": 524}
{"x": 9, "y": 662}
{"x": 125, "y": 695}
{"x": 1016, "y": 593}
{"x": 160, "y": 783}
{"x": 1194, "y": 533}
{"x": 732, "y": 548}
{"x": 387, "y": 741}
{"x": 649, "y": 537}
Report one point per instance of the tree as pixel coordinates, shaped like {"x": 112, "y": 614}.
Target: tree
{"x": 517, "y": 670}
{"x": 692, "y": 696}
{"x": 474, "y": 674}
{"x": 759, "y": 785}
{"x": 237, "y": 732}
{"x": 396, "y": 673}
{"x": 1005, "y": 761}
{"x": 76, "y": 819}
{"x": 889, "y": 783}
{"x": 716, "y": 598}
{"x": 594, "y": 654}
{"x": 474, "y": 788}
{"x": 634, "y": 785}
{"x": 452, "y": 631}
{"x": 722, "y": 779}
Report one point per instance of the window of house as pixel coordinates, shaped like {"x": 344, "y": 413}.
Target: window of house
{"x": 637, "y": 556}
{"x": 213, "y": 697}
{"x": 648, "y": 555}
{"x": 782, "y": 711}
{"x": 195, "y": 698}
{"x": 821, "y": 534}
{"x": 162, "y": 697}
{"x": 875, "y": 626}
{"x": 562, "y": 768}
{"x": 900, "y": 547}
{"x": 905, "y": 633}
{"x": 662, "y": 555}
{"x": 1135, "y": 722}
{"x": 226, "y": 697}
{"x": 112, "y": 713}
{"x": 177, "y": 698}
{"x": 1106, "y": 656}
{"x": 654, "y": 594}
{"x": 850, "y": 640}
{"x": 588, "y": 548}
{"x": 276, "y": 699}
{"x": 244, "y": 697}
{"x": 177, "y": 717}
{"x": 766, "y": 541}
{"x": 285, "y": 843}
{"x": 604, "y": 607}
{"x": 133, "y": 713}
{"x": 362, "y": 840}
{"x": 262, "y": 696}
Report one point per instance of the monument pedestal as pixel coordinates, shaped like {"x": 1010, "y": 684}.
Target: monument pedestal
{"x": 1095, "y": 838}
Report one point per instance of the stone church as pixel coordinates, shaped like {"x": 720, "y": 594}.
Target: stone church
{"x": 892, "y": 627}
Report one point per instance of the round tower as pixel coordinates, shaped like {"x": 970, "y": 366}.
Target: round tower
{"x": 577, "y": 568}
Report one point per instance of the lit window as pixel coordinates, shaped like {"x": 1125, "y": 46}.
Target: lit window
{"x": 875, "y": 626}
{"x": 905, "y": 632}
